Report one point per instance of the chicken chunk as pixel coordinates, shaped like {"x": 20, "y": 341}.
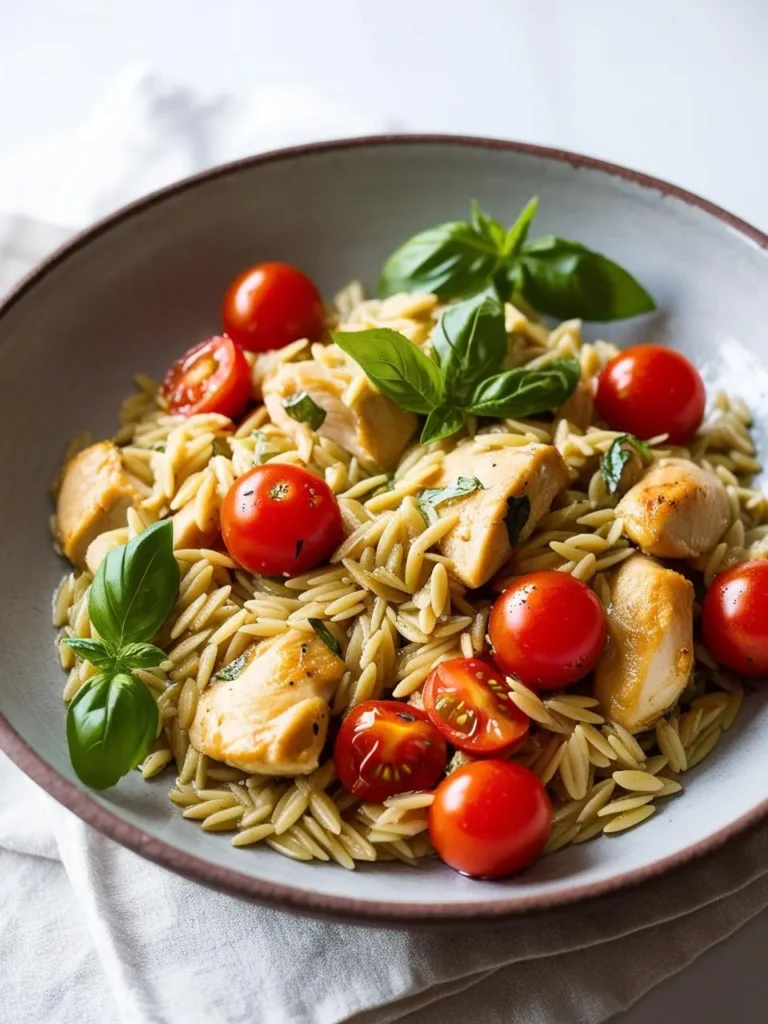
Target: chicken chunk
{"x": 369, "y": 425}
{"x": 677, "y": 510}
{"x": 579, "y": 406}
{"x": 271, "y": 719}
{"x": 480, "y": 542}
{"x": 649, "y": 657}
{"x": 187, "y": 533}
{"x": 95, "y": 496}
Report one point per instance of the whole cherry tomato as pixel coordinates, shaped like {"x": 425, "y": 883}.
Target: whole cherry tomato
{"x": 468, "y": 700}
{"x": 280, "y": 520}
{"x": 548, "y": 629}
{"x": 734, "y": 618}
{"x": 386, "y": 747}
{"x": 214, "y": 376}
{"x": 649, "y": 390}
{"x": 270, "y": 305}
{"x": 490, "y": 818}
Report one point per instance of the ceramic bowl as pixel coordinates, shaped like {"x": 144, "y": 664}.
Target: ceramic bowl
{"x": 140, "y": 287}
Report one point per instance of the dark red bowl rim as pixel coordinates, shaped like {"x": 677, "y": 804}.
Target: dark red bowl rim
{"x": 287, "y": 897}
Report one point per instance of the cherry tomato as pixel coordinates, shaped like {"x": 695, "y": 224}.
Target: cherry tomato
{"x": 490, "y": 818}
{"x": 734, "y": 618}
{"x": 280, "y": 520}
{"x": 548, "y": 629}
{"x": 386, "y": 747}
{"x": 468, "y": 700}
{"x": 214, "y": 376}
{"x": 649, "y": 390}
{"x": 270, "y": 305}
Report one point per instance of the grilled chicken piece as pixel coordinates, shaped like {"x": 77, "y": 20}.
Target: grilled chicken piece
{"x": 372, "y": 427}
{"x": 578, "y": 406}
{"x": 649, "y": 657}
{"x": 273, "y": 718}
{"x": 677, "y": 510}
{"x": 100, "y": 547}
{"x": 479, "y": 543}
{"x": 95, "y": 496}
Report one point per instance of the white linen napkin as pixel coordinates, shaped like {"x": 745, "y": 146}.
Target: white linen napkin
{"x": 91, "y": 933}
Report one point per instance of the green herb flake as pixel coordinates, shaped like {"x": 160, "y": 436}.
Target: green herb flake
{"x": 303, "y": 409}
{"x": 518, "y": 511}
{"x": 326, "y": 636}
{"x": 220, "y": 446}
{"x": 615, "y": 459}
{"x": 235, "y": 668}
{"x": 432, "y": 497}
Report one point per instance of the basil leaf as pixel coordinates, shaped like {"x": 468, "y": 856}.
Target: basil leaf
{"x": 260, "y": 453}
{"x": 98, "y": 652}
{"x": 517, "y": 234}
{"x": 397, "y": 367}
{"x": 470, "y": 343}
{"x": 486, "y": 227}
{"x": 615, "y": 459}
{"x": 518, "y": 511}
{"x": 442, "y": 422}
{"x": 112, "y": 721}
{"x": 139, "y": 655}
{"x": 565, "y": 279}
{"x": 430, "y": 498}
{"x": 450, "y": 260}
{"x": 303, "y": 409}
{"x": 524, "y": 392}
{"x": 135, "y": 587}
{"x": 326, "y": 636}
{"x": 235, "y": 668}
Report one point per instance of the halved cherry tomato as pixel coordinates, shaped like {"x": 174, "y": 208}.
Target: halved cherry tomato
{"x": 468, "y": 700}
{"x": 734, "y": 618}
{"x": 280, "y": 520}
{"x": 386, "y": 747}
{"x": 490, "y": 818}
{"x": 649, "y": 390}
{"x": 270, "y": 305}
{"x": 548, "y": 629}
{"x": 214, "y": 376}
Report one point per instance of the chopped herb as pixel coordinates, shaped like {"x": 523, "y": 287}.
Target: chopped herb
{"x": 615, "y": 459}
{"x": 260, "y": 453}
{"x": 434, "y": 496}
{"x": 518, "y": 511}
{"x": 303, "y": 409}
{"x": 326, "y": 636}
{"x": 221, "y": 447}
{"x": 235, "y": 668}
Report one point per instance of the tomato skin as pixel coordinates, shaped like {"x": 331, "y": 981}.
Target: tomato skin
{"x": 649, "y": 390}
{"x": 734, "y": 618}
{"x": 280, "y": 520}
{"x": 548, "y": 629}
{"x": 382, "y": 735}
{"x": 473, "y": 690}
{"x": 490, "y": 819}
{"x": 212, "y": 377}
{"x": 270, "y": 305}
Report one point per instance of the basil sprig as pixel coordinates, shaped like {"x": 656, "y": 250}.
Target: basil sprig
{"x": 463, "y": 375}
{"x": 113, "y": 719}
{"x": 551, "y": 275}
{"x": 615, "y": 459}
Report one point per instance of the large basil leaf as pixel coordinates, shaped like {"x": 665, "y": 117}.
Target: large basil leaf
{"x": 450, "y": 260}
{"x": 396, "y": 366}
{"x": 101, "y": 654}
{"x": 442, "y": 422}
{"x": 111, "y": 724}
{"x": 518, "y": 233}
{"x": 135, "y": 587}
{"x": 565, "y": 279}
{"x": 470, "y": 343}
{"x": 524, "y": 392}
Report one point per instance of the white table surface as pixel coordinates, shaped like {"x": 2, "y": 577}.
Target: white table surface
{"x": 677, "y": 88}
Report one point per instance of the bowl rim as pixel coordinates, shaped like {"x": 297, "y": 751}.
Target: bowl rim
{"x": 279, "y": 895}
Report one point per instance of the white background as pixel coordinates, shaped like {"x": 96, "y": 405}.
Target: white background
{"x": 677, "y": 88}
